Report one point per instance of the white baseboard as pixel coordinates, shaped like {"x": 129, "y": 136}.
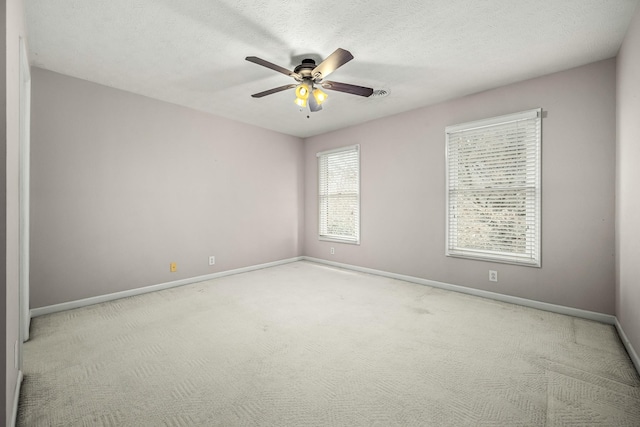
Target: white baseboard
{"x": 584, "y": 314}
{"x": 16, "y": 399}
{"x": 40, "y": 311}
{"x": 560, "y": 309}
{"x": 627, "y": 344}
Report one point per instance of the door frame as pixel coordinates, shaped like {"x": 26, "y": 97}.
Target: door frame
{"x": 24, "y": 191}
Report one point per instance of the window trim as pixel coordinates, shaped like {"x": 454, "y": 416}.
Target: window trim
{"x": 338, "y": 238}
{"x": 497, "y": 256}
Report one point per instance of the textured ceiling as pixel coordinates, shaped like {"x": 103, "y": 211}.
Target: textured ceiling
{"x": 191, "y": 52}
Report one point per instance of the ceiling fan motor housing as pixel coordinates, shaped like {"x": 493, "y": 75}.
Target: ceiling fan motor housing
{"x": 305, "y": 69}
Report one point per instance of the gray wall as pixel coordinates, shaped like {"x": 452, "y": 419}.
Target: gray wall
{"x": 627, "y": 185}
{"x": 122, "y": 185}
{"x": 403, "y": 191}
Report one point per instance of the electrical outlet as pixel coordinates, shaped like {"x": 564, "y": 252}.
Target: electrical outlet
{"x": 173, "y": 267}
{"x": 333, "y": 251}
{"x": 493, "y": 276}
{"x": 212, "y": 260}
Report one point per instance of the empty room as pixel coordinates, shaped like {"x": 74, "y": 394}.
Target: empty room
{"x": 235, "y": 213}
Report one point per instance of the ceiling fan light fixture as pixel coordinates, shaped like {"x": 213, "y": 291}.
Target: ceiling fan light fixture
{"x": 319, "y": 96}
{"x": 302, "y": 91}
{"x": 301, "y": 102}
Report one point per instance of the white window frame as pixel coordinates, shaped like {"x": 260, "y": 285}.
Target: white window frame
{"x": 323, "y": 233}
{"x": 531, "y": 255}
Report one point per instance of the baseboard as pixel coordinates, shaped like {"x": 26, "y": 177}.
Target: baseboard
{"x": 627, "y": 344}
{"x": 16, "y": 399}
{"x": 40, "y": 311}
{"x": 560, "y": 309}
{"x": 584, "y": 314}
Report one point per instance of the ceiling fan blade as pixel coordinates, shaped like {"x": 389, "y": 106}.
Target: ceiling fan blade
{"x": 333, "y": 62}
{"x": 274, "y": 90}
{"x": 347, "y": 88}
{"x": 272, "y": 66}
{"x": 313, "y": 104}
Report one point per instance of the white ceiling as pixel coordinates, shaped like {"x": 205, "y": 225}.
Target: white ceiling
{"x": 191, "y": 52}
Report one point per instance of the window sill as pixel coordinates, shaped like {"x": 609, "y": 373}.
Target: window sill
{"x": 338, "y": 240}
{"x": 498, "y": 259}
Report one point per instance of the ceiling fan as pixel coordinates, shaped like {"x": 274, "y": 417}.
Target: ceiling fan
{"x": 310, "y": 77}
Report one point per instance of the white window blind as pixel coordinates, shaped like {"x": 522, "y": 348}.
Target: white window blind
{"x": 493, "y": 189}
{"x": 339, "y": 194}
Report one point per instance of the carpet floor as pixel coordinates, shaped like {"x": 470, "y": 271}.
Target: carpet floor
{"x": 304, "y": 344}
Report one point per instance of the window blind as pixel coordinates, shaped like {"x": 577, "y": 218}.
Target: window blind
{"x": 493, "y": 189}
{"x": 339, "y": 194}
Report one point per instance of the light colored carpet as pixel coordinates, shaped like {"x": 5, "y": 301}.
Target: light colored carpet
{"x": 308, "y": 345}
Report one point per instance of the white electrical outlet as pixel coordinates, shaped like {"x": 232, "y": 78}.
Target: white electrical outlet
{"x": 212, "y": 260}
{"x": 493, "y": 276}
{"x": 333, "y": 251}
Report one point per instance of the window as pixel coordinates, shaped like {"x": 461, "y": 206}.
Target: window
{"x": 339, "y": 194}
{"x": 493, "y": 189}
